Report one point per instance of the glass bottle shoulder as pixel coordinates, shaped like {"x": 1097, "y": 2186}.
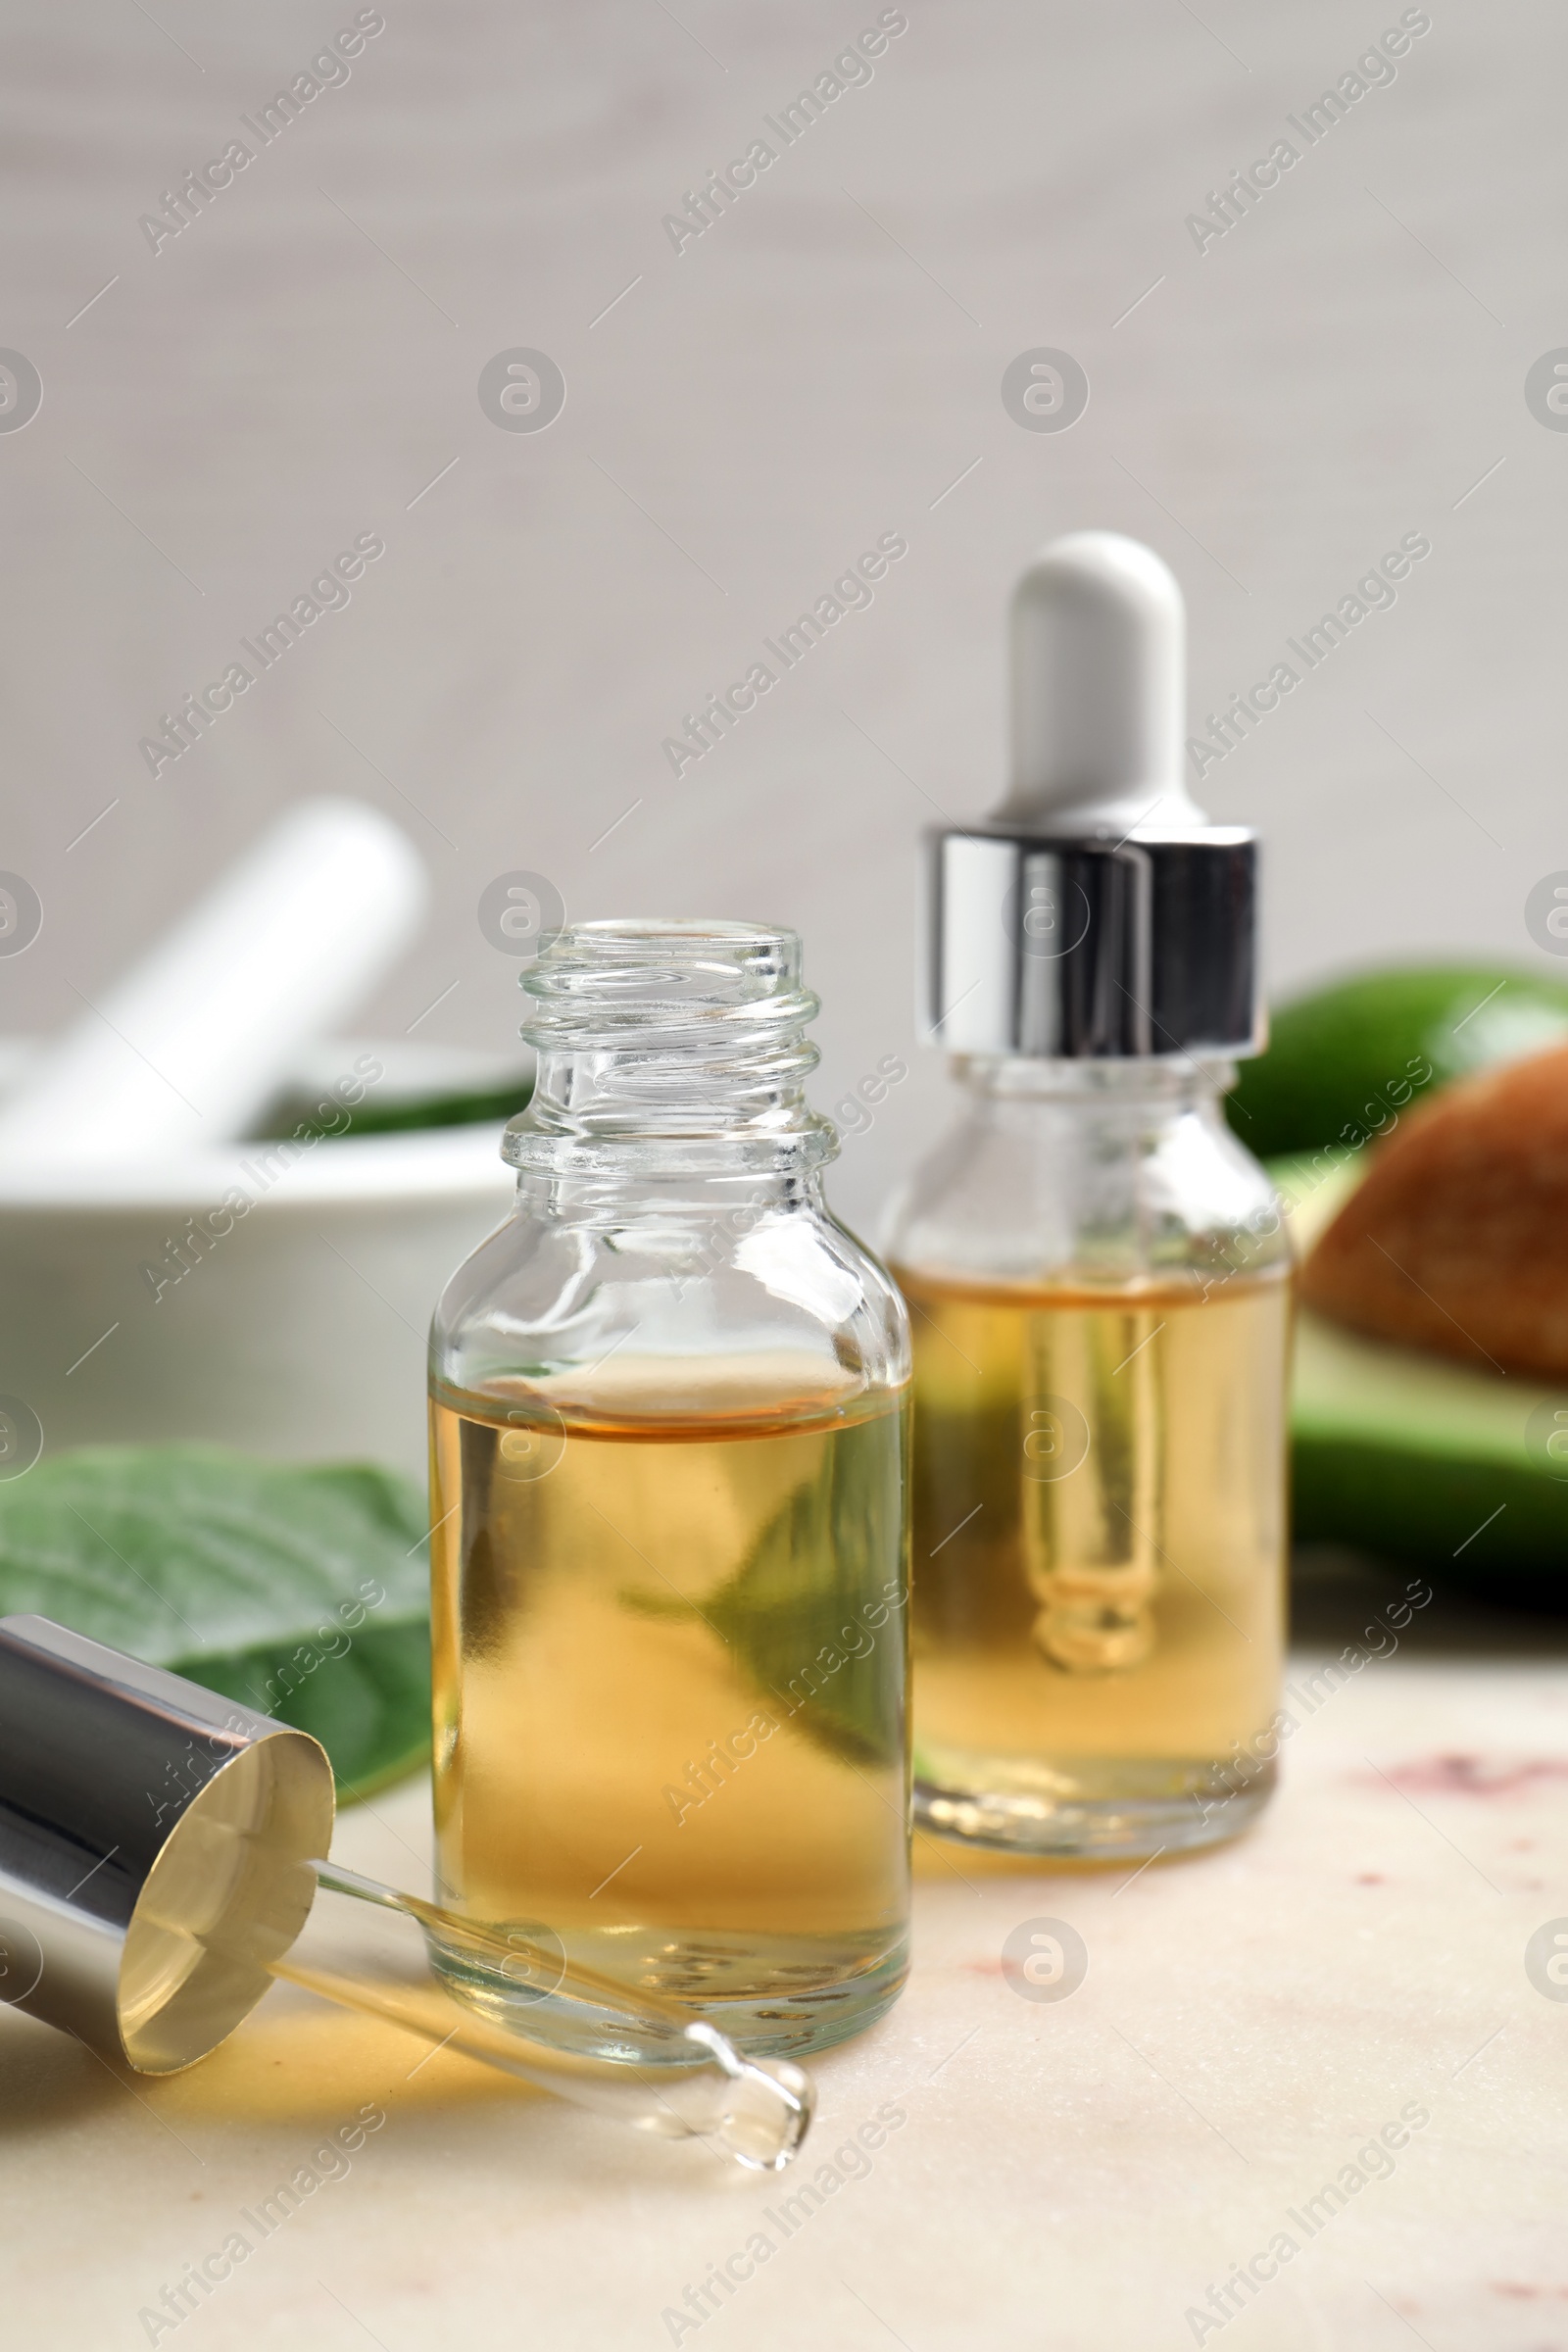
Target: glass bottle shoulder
{"x": 1131, "y": 1181}
{"x": 760, "y": 1308}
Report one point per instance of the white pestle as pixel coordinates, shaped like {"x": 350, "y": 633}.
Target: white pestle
{"x": 187, "y": 1048}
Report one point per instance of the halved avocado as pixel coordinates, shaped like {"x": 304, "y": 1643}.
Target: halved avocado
{"x": 1398, "y": 1452}
{"x": 1341, "y": 1060}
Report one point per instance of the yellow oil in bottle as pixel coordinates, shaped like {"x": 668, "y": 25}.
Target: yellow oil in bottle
{"x": 670, "y": 1664}
{"x": 1098, "y": 1552}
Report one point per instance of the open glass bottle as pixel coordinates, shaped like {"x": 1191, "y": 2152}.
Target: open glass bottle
{"x": 669, "y": 1552}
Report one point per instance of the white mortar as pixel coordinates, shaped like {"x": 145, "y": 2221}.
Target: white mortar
{"x": 300, "y": 1333}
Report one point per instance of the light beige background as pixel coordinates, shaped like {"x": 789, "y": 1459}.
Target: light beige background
{"x": 813, "y": 371}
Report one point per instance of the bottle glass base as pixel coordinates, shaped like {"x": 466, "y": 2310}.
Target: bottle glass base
{"x": 773, "y": 1997}
{"x": 1095, "y": 1809}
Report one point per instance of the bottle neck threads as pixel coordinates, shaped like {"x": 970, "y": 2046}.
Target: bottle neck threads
{"x": 670, "y": 1047}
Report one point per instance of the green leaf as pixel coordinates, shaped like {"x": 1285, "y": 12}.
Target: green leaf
{"x": 370, "y": 1707}
{"x": 299, "y": 1591}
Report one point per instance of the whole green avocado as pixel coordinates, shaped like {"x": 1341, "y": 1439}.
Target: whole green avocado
{"x": 1341, "y": 1060}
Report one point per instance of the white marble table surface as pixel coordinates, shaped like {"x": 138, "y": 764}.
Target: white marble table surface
{"x": 1070, "y": 2176}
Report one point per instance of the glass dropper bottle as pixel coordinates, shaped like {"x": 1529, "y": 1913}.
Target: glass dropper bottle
{"x": 160, "y": 1865}
{"x": 1097, "y": 1269}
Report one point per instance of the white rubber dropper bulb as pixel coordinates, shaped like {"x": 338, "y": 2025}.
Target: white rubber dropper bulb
{"x": 1099, "y": 693}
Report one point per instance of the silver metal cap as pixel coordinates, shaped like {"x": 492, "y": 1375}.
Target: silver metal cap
{"x": 1083, "y": 949}
{"x": 154, "y": 1847}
